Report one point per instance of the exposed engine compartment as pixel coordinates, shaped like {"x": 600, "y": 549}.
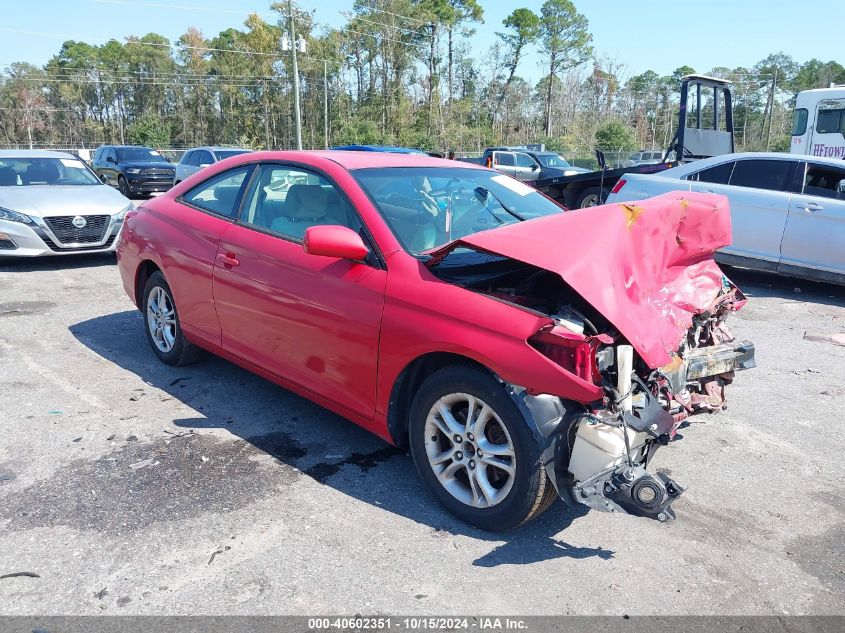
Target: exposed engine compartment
{"x": 600, "y": 453}
{"x": 527, "y": 286}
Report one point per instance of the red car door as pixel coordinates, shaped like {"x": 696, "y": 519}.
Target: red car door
{"x": 196, "y": 224}
{"x": 312, "y": 320}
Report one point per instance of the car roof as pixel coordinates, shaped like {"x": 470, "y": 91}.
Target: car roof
{"x": 723, "y": 158}
{"x": 361, "y": 160}
{"x": 378, "y": 148}
{"x": 219, "y": 148}
{"x": 34, "y": 153}
{"x": 125, "y": 147}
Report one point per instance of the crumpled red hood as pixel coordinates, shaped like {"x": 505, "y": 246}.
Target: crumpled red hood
{"x": 647, "y": 267}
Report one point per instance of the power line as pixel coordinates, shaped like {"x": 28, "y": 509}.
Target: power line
{"x": 157, "y": 5}
{"x": 387, "y": 39}
{"x": 388, "y": 26}
{"x": 396, "y": 15}
{"x": 178, "y": 47}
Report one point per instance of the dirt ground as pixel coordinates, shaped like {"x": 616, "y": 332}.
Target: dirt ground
{"x": 131, "y": 487}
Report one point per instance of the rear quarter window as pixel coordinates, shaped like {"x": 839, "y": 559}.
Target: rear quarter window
{"x": 718, "y": 174}
{"x": 220, "y": 194}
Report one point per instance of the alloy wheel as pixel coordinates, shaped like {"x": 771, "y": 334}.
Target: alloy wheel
{"x": 470, "y": 450}
{"x": 161, "y": 319}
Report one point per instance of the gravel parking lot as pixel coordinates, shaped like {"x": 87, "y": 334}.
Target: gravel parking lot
{"x": 131, "y": 487}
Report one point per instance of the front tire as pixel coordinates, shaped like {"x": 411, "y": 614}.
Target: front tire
{"x": 474, "y": 450}
{"x": 161, "y": 323}
{"x": 123, "y": 186}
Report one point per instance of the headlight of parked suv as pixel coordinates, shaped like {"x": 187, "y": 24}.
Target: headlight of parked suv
{"x": 133, "y": 170}
{"x": 14, "y": 216}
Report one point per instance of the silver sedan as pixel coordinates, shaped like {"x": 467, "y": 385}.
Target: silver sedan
{"x": 51, "y": 203}
{"x": 787, "y": 210}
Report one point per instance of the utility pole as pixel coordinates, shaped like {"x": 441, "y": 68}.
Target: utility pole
{"x": 293, "y": 42}
{"x": 266, "y": 118}
{"x": 772, "y": 108}
{"x": 326, "y": 103}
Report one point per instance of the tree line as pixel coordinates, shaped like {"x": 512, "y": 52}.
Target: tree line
{"x": 399, "y": 72}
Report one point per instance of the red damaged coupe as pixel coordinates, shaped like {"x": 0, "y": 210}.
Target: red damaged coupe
{"x": 522, "y": 353}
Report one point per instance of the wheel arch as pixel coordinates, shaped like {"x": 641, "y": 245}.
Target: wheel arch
{"x": 145, "y": 270}
{"x": 408, "y": 382}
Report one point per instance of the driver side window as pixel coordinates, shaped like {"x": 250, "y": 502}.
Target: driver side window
{"x": 287, "y": 200}
{"x": 825, "y": 181}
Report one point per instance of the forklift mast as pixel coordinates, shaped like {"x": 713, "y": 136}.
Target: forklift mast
{"x": 696, "y": 137}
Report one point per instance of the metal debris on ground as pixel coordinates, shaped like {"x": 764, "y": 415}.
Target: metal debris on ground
{"x": 824, "y": 337}
{"x": 143, "y": 464}
{"x": 225, "y": 548}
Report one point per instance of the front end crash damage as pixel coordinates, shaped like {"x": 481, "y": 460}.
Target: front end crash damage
{"x": 637, "y": 306}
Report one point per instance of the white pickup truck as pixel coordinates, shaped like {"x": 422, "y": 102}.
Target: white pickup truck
{"x": 787, "y": 210}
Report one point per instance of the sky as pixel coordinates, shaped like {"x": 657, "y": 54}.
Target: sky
{"x": 640, "y": 35}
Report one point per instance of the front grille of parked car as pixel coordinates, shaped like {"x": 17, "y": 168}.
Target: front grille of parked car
{"x": 155, "y": 171}
{"x": 93, "y": 231}
{"x": 61, "y": 249}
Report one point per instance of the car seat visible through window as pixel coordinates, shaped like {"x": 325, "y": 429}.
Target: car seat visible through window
{"x": 305, "y": 205}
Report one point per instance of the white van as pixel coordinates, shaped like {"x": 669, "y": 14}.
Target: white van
{"x": 818, "y": 124}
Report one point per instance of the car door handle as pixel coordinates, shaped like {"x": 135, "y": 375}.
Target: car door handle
{"x": 227, "y": 260}
{"x": 811, "y": 206}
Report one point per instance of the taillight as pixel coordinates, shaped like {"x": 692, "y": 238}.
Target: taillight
{"x": 618, "y": 186}
{"x": 575, "y": 353}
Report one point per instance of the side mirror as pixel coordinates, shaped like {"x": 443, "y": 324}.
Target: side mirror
{"x": 535, "y": 167}
{"x": 104, "y": 179}
{"x": 332, "y": 240}
{"x": 110, "y": 159}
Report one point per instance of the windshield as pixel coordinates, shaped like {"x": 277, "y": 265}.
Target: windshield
{"x": 427, "y": 207}
{"x": 553, "y": 160}
{"x": 145, "y": 154}
{"x": 45, "y": 171}
{"x": 228, "y": 153}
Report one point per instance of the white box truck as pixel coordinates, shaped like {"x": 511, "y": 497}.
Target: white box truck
{"x": 818, "y": 124}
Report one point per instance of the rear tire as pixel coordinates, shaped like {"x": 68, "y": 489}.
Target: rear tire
{"x": 489, "y": 478}
{"x": 590, "y": 197}
{"x": 161, "y": 323}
